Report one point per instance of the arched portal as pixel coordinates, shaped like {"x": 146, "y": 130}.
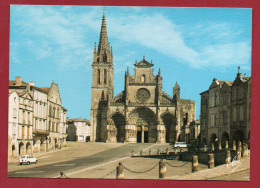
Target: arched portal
{"x": 204, "y": 141}
{"x": 169, "y": 121}
{"x": 146, "y": 124}
{"x": 119, "y": 121}
{"x": 28, "y": 148}
{"x": 21, "y": 148}
{"x": 213, "y": 138}
{"x": 238, "y": 136}
{"x": 13, "y": 151}
{"x": 224, "y": 138}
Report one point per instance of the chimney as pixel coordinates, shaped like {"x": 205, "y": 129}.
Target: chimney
{"x": 18, "y": 80}
{"x": 31, "y": 83}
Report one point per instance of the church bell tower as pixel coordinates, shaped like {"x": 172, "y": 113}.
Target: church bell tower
{"x": 102, "y": 89}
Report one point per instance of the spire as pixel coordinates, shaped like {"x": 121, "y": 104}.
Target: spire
{"x": 127, "y": 70}
{"x": 239, "y": 74}
{"x": 159, "y": 72}
{"x": 176, "y": 84}
{"x": 103, "y": 40}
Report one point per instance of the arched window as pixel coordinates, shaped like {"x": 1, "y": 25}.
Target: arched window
{"x": 143, "y": 78}
{"x": 98, "y": 76}
{"x": 105, "y": 76}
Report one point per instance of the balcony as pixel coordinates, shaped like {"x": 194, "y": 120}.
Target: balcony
{"x": 41, "y": 131}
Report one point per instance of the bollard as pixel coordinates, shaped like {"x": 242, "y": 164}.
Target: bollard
{"x": 219, "y": 146}
{"x": 210, "y": 160}
{"x": 132, "y": 153}
{"x": 120, "y": 171}
{"x": 167, "y": 151}
{"x": 141, "y": 152}
{"x": 150, "y": 151}
{"x": 158, "y": 152}
{"x": 195, "y": 163}
{"x": 212, "y": 147}
{"x": 205, "y": 148}
{"x": 245, "y": 151}
{"x": 234, "y": 145}
{"x": 226, "y": 144}
{"x": 228, "y": 157}
{"x": 162, "y": 169}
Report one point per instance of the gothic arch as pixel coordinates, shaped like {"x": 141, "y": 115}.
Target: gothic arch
{"x": 169, "y": 122}
{"x": 119, "y": 122}
{"x": 28, "y": 148}
{"x": 145, "y": 120}
{"x": 224, "y": 138}
{"x": 21, "y": 148}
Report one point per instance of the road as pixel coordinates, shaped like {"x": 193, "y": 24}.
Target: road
{"x": 77, "y": 157}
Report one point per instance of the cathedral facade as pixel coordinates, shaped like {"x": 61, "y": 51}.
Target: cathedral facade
{"x": 143, "y": 112}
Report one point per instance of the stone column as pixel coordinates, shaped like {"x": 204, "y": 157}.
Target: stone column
{"x": 195, "y": 163}
{"x": 245, "y": 151}
{"x": 162, "y": 169}
{"x": 205, "y": 148}
{"x": 210, "y": 160}
{"x": 142, "y": 134}
{"x": 239, "y": 150}
{"x": 219, "y": 145}
{"x": 234, "y": 145}
{"x": 167, "y": 151}
{"x": 212, "y": 147}
{"x": 226, "y": 144}
{"x": 120, "y": 171}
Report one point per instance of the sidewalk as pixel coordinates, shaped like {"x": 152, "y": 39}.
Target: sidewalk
{"x": 222, "y": 170}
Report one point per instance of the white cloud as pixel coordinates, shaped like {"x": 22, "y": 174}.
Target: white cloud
{"x": 67, "y": 31}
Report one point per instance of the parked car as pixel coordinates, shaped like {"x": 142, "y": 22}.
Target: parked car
{"x": 27, "y": 159}
{"x": 180, "y": 145}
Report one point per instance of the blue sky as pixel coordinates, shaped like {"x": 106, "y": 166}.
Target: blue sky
{"x": 190, "y": 45}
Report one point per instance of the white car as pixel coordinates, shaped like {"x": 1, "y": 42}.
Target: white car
{"x": 180, "y": 145}
{"x": 27, "y": 159}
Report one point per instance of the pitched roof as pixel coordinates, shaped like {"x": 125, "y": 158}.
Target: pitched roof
{"x": 14, "y": 83}
{"x": 44, "y": 89}
{"x": 221, "y": 82}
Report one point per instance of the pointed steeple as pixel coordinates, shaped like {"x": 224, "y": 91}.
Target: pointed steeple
{"x": 159, "y": 72}
{"x": 176, "y": 84}
{"x": 103, "y": 40}
{"x": 239, "y": 74}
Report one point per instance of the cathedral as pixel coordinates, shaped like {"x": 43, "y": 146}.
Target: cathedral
{"x": 143, "y": 112}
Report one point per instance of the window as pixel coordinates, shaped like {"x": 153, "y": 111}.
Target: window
{"x": 105, "y": 76}
{"x": 234, "y": 114}
{"x": 241, "y": 117}
{"x": 15, "y": 113}
{"x": 224, "y": 118}
{"x": 212, "y": 120}
{"x": 98, "y": 76}
{"x": 143, "y": 78}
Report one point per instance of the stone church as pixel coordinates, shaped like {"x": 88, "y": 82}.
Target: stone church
{"x": 141, "y": 113}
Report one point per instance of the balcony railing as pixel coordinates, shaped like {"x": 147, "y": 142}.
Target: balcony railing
{"x": 41, "y": 131}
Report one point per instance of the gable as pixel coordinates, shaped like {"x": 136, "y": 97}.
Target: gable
{"x": 54, "y": 94}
